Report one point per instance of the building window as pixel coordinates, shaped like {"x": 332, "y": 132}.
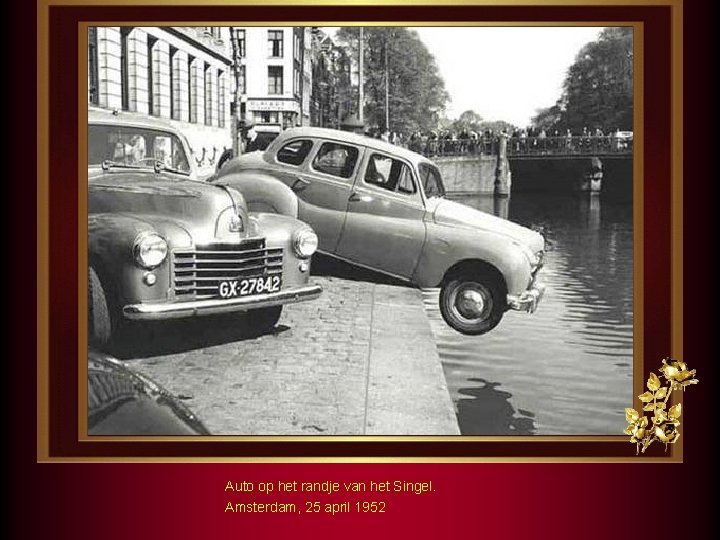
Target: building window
{"x": 275, "y": 80}
{"x": 296, "y": 46}
{"x": 241, "y": 81}
{"x": 241, "y": 43}
{"x": 150, "y": 74}
{"x": 124, "y": 68}
{"x": 296, "y": 81}
{"x": 221, "y": 99}
{"x": 174, "y": 108}
{"x": 192, "y": 97}
{"x": 275, "y": 43}
{"x": 267, "y": 117}
{"x": 208, "y": 95}
{"x": 93, "y": 74}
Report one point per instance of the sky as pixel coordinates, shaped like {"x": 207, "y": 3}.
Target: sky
{"x": 504, "y": 73}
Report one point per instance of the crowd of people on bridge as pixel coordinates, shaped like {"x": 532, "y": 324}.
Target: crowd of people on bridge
{"x": 530, "y": 140}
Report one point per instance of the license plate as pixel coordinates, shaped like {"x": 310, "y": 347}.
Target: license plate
{"x": 248, "y": 286}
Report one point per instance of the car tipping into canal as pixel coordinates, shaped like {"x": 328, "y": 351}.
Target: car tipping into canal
{"x": 383, "y": 207}
{"x": 163, "y": 245}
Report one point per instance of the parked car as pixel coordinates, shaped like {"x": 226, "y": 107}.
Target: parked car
{"x": 122, "y": 401}
{"x": 163, "y": 245}
{"x": 383, "y": 207}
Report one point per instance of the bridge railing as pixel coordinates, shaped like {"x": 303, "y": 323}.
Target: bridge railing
{"x": 455, "y": 147}
{"x": 568, "y": 146}
{"x": 524, "y": 146}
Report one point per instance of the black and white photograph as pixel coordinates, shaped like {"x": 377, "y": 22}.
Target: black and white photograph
{"x": 360, "y": 230}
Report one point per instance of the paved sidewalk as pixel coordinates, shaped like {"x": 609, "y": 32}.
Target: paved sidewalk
{"x": 361, "y": 360}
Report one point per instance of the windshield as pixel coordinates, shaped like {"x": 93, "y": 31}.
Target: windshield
{"x": 129, "y": 146}
{"x": 431, "y": 181}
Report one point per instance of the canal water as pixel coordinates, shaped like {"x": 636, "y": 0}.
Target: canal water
{"x": 567, "y": 368}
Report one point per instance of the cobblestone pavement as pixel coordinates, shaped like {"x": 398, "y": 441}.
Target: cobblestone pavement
{"x": 360, "y": 360}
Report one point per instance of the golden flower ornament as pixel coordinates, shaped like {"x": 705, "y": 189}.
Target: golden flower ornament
{"x": 663, "y": 423}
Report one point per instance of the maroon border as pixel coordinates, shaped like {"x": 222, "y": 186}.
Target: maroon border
{"x": 63, "y": 217}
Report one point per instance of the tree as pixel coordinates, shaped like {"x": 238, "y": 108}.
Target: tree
{"x": 469, "y": 120}
{"x": 415, "y": 89}
{"x": 548, "y": 118}
{"x": 332, "y": 94}
{"x": 598, "y": 88}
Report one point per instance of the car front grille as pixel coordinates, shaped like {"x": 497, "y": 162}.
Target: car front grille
{"x": 197, "y": 273}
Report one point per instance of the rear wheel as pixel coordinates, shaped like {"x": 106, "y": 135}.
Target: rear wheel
{"x": 472, "y": 303}
{"x": 99, "y": 321}
{"x": 263, "y": 320}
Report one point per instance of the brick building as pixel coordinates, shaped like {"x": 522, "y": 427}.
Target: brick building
{"x": 180, "y": 74}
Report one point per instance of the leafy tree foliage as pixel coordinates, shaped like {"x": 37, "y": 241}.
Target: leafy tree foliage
{"x": 598, "y": 88}
{"x": 469, "y": 120}
{"x": 416, "y": 91}
{"x": 332, "y": 92}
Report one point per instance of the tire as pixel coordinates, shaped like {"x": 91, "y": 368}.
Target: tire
{"x": 263, "y": 320}
{"x": 472, "y": 303}
{"x": 99, "y": 320}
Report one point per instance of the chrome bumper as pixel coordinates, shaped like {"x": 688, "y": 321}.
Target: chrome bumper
{"x": 528, "y": 300}
{"x": 176, "y": 310}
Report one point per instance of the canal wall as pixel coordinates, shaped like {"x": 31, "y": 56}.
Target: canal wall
{"x": 462, "y": 175}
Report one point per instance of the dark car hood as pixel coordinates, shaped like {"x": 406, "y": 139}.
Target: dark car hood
{"x": 158, "y": 197}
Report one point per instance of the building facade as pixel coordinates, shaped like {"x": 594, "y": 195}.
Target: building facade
{"x": 180, "y": 74}
{"x": 275, "y": 76}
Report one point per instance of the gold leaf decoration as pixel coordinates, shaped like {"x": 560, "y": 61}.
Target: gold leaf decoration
{"x": 674, "y": 412}
{"x": 631, "y": 415}
{"x": 665, "y": 424}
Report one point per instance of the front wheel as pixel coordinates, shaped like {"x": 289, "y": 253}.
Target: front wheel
{"x": 99, "y": 320}
{"x": 263, "y": 320}
{"x": 472, "y": 304}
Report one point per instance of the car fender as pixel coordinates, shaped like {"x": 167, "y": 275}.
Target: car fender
{"x": 280, "y": 233}
{"x": 446, "y": 247}
{"x": 263, "y": 192}
{"x": 110, "y": 251}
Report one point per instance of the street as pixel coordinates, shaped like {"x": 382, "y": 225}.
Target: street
{"x": 361, "y": 360}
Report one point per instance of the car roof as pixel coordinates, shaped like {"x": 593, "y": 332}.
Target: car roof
{"x": 102, "y": 116}
{"x": 350, "y": 138}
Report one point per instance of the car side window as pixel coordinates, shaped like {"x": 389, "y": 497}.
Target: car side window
{"x": 432, "y": 184}
{"x": 295, "y": 152}
{"x": 390, "y": 174}
{"x": 336, "y": 159}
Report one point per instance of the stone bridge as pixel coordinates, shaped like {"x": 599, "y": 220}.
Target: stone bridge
{"x": 552, "y": 163}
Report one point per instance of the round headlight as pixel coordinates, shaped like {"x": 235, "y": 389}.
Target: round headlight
{"x": 305, "y": 243}
{"x": 150, "y": 250}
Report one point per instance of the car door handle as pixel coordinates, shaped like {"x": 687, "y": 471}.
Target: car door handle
{"x": 356, "y": 197}
{"x": 300, "y": 183}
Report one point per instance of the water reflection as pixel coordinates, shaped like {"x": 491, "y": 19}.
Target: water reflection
{"x": 570, "y": 363}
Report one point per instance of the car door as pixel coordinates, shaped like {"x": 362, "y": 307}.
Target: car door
{"x": 320, "y": 172}
{"x": 384, "y": 227}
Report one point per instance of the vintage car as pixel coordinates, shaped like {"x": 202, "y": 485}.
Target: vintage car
{"x": 163, "y": 245}
{"x": 383, "y": 207}
{"x": 122, "y": 401}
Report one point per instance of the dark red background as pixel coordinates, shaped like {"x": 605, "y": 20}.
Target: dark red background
{"x": 187, "y": 500}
